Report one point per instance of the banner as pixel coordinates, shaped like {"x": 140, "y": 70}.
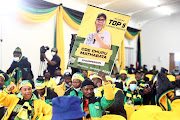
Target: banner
{"x": 98, "y": 40}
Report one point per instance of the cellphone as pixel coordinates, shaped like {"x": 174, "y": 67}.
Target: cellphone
{"x": 147, "y": 85}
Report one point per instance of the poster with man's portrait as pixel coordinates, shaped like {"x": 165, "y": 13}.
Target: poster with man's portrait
{"x": 98, "y": 40}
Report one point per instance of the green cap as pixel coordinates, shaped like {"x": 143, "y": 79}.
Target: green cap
{"x": 17, "y": 50}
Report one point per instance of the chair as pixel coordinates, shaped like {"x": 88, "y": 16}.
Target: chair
{"x": 129, "y": 110}
{"x": 149, "y": 76}
{"x": 171, "y": 78}
{"x": 131, "y": 75}
{"x": 150, "y": 108}
{"x": 113, "y": 117}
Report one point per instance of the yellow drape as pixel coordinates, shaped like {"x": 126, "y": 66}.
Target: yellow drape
{"x": 60, "y": 38}
{"x": 33, "y": 18}
{"x": 121, "y": 57}
{"x": 129, "y": 36}
{"x": 69, "y": 21}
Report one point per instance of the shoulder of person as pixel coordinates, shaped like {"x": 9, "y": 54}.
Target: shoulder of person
{"x": 68, "y": 91}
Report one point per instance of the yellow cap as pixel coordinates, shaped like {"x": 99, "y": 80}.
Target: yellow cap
{"x": 25, "y": 83}
{"x": 78, "y": 76}
{"x": 123, "y": 71}
{"x": 40, "y": 85}
{"x": 130, "y": 80}
{"x": 96, "y": 76}
{"x": 109, "y": 78}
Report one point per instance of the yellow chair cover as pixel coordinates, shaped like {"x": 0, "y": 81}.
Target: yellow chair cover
{"x": 129, "y": 110}
{"x": 149, "y": 76}
{"x": 131, "y": 75}
{"x": 150, "y": 108}
{"x": 171, "y": 77}
{"x": 113, "y": 117}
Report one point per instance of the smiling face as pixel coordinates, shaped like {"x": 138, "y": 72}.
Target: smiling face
{"x": 26, "y": 92}
{"x": 100, "y": 23}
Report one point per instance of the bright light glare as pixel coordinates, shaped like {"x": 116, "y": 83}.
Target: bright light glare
{"x": 151, "y": 3}
{"x": 165, "y": 10}
{"x": 177, "y": 57}
{"x": 7, "y": 7}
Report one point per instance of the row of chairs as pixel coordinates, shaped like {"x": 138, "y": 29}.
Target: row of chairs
{"x": 170, "y": 77}
{"x": 148, "y": 112}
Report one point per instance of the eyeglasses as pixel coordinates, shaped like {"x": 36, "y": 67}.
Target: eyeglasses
{"x": 100, "y": 20}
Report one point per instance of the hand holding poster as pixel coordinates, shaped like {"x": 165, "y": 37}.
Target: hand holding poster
{"x": 98, "y": 40}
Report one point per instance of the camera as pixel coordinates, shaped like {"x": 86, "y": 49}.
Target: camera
{"x": 43, "y": 49}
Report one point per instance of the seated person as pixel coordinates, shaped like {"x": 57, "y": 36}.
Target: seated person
{"x": 24, "y": 102}
{"x": 49, "y": 82}
{"x": 150, "y": 93}
{"x": 2, "y": 87}
{"x": 57, "y": 76}
{"x": 118, "y": 106}
{"x": 67, "y": 83}
{"x": 42, "y": 92}
{"x": 71, "y": 111}
{"x": 85, "y": 73}
{"x": 97, "y": 80}
{"x": 77, "y": 78}
{"x": 132, "y": 94}
{"x": 94, "y": 106}
{"x": 121, "y": 82}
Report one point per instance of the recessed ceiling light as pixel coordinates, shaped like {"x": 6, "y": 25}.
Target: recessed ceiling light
{"x": 165, "y": 10}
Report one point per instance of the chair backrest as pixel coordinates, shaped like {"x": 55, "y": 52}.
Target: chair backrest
{"x": 149, "y": 76}
{"x": 171, "y": 77}
{"x": 150, "y": 108}
{"x": 131, "y": 75}
{"x": 129, "y": 110}
{"x": 113, "y": 117}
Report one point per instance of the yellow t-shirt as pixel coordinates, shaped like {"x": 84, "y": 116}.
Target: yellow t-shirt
{"x": 51, "y": 83}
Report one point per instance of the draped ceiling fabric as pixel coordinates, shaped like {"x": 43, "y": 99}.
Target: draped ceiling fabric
{"x": 130, "y": 34}
{"x": 37, "y": 11}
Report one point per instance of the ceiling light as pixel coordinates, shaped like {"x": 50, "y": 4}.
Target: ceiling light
{"x": 164, "y": 10}
{"x": 151, "y": 3}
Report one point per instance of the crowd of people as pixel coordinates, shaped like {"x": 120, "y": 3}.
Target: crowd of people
{"x": 84, "y": 94}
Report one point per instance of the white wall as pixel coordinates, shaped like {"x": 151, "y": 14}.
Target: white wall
{"x": 159, "y": 38}
{"x": 30, "y": 37}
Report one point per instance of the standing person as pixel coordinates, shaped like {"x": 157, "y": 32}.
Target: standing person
{"x": 94, "y": 106}
{"x": 49, "y": 82}
{"x": 44, "y": 93}
{"x": 57, "y": 76}
{"x": 20, "y": 68}
{"x": 77, "y": 78}
{"x": 100, "y": 38}
{"x": 67, "y": 84}
{"x": 131, "y": 70}
{"x": 118, "y": 106}
{"x": 24, "y": 105}
{"x": 67, "y": 108}
{"x": 54, "y": 62}
{"x": 121, "y": 82}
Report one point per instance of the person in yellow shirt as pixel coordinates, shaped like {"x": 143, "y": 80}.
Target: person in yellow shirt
{"x": 67, "y": 84}
{"x": 49, "y": 82}
{"x": 24, "y": 105}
